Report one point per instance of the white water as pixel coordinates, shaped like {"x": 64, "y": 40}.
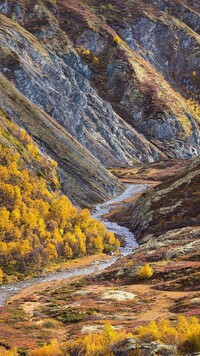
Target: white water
{"x": 130, "y": 243}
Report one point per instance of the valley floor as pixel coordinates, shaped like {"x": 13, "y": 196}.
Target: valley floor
{"x": 66, "y": 309}
{"x": 37, "y": 314}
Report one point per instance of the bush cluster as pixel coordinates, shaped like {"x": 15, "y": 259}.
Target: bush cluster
{"x": 39, "y": 226}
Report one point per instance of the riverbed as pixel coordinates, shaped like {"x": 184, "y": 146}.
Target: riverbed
{"x": 128, "y": 237}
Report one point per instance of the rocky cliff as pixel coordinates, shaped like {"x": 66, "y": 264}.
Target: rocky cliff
{"x": 109, "y": 53}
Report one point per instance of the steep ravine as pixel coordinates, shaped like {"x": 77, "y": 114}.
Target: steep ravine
{"x": 76, "y": 61}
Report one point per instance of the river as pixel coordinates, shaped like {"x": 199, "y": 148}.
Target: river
{"x": 101, "y": 209}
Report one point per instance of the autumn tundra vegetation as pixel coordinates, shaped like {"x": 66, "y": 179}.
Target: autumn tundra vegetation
{"x": 183, "y": 333}
{"x": 95, "y": 95}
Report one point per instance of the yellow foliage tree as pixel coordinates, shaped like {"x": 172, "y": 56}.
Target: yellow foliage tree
{"x": 12, "y": 352}
{"x": 1, "y": 276}
{"x": 39, "y": 226}
{"x": 94, "y": 344}
{"x": 48, "y": 350}
{"x": 150, "y": 332}
{"x": 51, "y": 252}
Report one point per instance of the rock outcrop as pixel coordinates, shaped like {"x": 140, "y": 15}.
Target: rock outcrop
{"x": 169, "y": 206}
{"x": 131, "y": 346}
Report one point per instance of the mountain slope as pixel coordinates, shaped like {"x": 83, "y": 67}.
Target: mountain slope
{"x": 137, "y": 92}
{"x": 83, "y": 178}
{"x": 79, "y": 65}
{"x": 59, "y": 84}
{"x": 170, "y": 206}
{"x": 166, "y": 34}
{"x": 166, "y": 223}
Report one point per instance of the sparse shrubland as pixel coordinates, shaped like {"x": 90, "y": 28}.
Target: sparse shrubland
{"x": 183, "y": 334}
{"x": 87, "y": 54}
{"x": 38, "y": 225}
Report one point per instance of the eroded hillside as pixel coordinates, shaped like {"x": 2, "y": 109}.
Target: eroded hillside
{"x": 109, "y": 73}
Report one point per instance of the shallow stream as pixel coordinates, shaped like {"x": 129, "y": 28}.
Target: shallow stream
{"x": 101, "y": 209}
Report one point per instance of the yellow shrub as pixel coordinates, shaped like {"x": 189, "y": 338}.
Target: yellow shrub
{"x": 193, "y": 343}
{"x": 116, "y": 39}
{"x": 110, "y": 7}
{"x": 86, "y": 52}
{"x": 95, "y": 60}
{"x": 93, "y": 344}
{"x": 168, "y": 333}
{"x": 4, "y": 352}
{"x": 149, "y": 332}
{"x": 186, "y": 124}
{"x": 48, "y": 350}
{"x": 194, "y": 107}
{"x": 145, "y": 272}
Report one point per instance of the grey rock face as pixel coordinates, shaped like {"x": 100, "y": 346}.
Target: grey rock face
{"x": 188, "y": 12}
{"x": 61, "y": 87}
{"x": 77, "y": 94}
{"x": 4, "y": 7}
{"x": 138, "y": 94}
{"x": 83, "y": 178}
{"x": 167, "y": 130}
{"x": 131, "y": 346}
{"x": 92, "y": 40}
{"x": 173, "y": 51}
